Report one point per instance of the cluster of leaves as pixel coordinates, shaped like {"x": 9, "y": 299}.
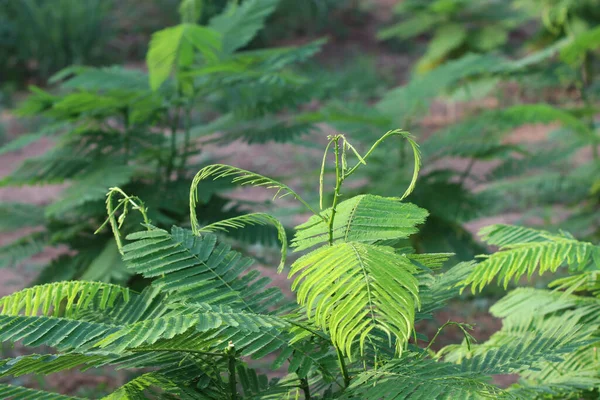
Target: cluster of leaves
{"x": 205, "y": 318}
{"x": 524, "y": 175}
{"x": 143, "y": 132}
{"x": 40, "y": 37}
{"x": 455, "y": 27}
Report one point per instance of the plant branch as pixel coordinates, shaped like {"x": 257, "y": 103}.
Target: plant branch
{"x": 174, "y": 350}
{"x": 173, "y": 155}
{"x": 305, "y": 388}
{"x": 338, "y": 185}
{"x": 586, "y": 82}
{"x": 467, "y": 171}
{"x": 343, "y": 367}
{"x": 230, "y": 351}
{"x": 111, "y": 210}
{"x": 468, "y": 337}
{"x": 186, "y": 140}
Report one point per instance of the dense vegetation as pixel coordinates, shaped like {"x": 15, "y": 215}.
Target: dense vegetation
{"x": 156, "y": 250}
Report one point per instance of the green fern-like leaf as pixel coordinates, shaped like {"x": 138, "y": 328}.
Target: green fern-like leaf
{"x": 49, "y": 363}
{"x": 364, "y": 218}
{"x": 241, "y": 177}
{"x": 22, "y": 249}
{"x": 147, "y": 386}
{"x": 416, "y": 378}
{"x": 22, "y": 393}
{"x": 351, "y": 289}
{"x": 525, "y": 250}
{"x": 249, "y": 219}
{"x": 47, "y": 298}
{"x": 578, "y": 372}
{"x": 574, "y": 52}
{"x": 195, "y": 269}
{"x": 14, "y": 216}
{"x": 170, "y": 46}
{"x": 239, "y": 23}
{"x": 90, "y": 187}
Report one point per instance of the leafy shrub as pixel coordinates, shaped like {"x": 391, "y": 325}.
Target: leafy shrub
{"x": 574, "y": 299}
{"x": 119, "y": 127}
{"x": 205, "y": 317}
{"x": 529, "y": 176}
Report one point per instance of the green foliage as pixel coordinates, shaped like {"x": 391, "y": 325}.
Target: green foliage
{"x": 455, "y": 27}
{"x": 206, "y": 319}
{"x": 116, "y": 127}
{"x": 54, "y": 34}
{"x": 528, "y": 176}
{"x": 531, "y": 310}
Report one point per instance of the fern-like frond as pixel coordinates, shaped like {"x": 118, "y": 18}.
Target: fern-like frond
{"x": 542, "y": 302}
{"x": 416, "y": 378}
{"x": 578, "y": 372}
{"x": 23, "y": 393}
{"x": 239, "y": 23}
{"x": 151, "y": 385}
{"x": 240, "y": 177}
{"x": 429, "y": 260}
{"x": 543, "y": 252}
{"x": 196, "y": 269}
{"x": 481, "y": 136}
{"x": 575, "y": 51}
{"x": 37, "y": 316}
{"x": 365, "y": 218}
{"x": 25, "y": 140}
{"x": 147, "y": 332}
{"x": 90, "y": 187}
{"x": 103, "y": 79}
{"x": 350, "y": 289}
{"x": 257, "y": 386}
{"x": 22, "y": 249}
{"x": 49, "y": 363}
{"x": 525, "y": 343}
{"x": 46, "y": 299}
{"x": 251, "y": 220}
{"x": 435, "y": 291}
{"x": 169, "y": 45}
{"x": 62, "y": 333}
{"x": 15, "y": 216}
{"x": 406, "y": 101}
{"x": 55, "y": 166}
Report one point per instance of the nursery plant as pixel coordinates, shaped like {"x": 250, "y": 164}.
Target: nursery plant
{"x": 120, "y": 127}
{"x": 198, "y": 329}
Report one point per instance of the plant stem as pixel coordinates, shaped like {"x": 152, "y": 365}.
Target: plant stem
{"x": 338, "y": 185}
{"x": 305, "y": 388}
{"x": 441, "y": 328}
{"x": 173, "y": 154}
{"x": 126, "y": 139}
{"x": 186, "y": 141}
{"x": 587, "y": 75}
{"x": 467, "y": 171}
{"x": 175, "y": 350}
{"x": 231, "y": 366}
{"x": 343, "y": 367}
{"x": 336, "y": 195}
